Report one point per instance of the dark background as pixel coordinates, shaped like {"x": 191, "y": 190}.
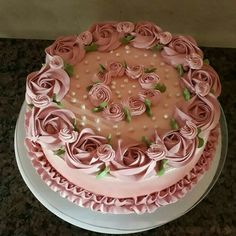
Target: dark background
{"x": 20, "y": 211}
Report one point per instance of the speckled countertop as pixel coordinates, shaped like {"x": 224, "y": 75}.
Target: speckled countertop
{"x": 20, "y": 211}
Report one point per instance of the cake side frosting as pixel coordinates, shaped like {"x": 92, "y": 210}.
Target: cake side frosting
{"x": 145, "y": 105}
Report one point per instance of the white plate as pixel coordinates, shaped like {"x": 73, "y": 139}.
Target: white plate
{"x": 109, "y": 223}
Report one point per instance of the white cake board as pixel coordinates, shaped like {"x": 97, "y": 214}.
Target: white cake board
{"x": 106, "y": 223}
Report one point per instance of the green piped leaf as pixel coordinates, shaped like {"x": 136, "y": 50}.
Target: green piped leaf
{"x": 206, "y": 61}
{"x": 88, "y": 88}
{"x": 161, "y": 87}
{"x": 200, "y": 142}
{"x": 161, "y": 170}
{"x": 101, "y": 106}
{"x": 158, "y": 47}
{"x": 54, "y": 99}
{"x": 173, "y": 124}
{"x": 186, "y": 94}
{"x": 30, "y": 105}
{"x": 91, "y": 47}
{"x": 102, "y": 68}
{"x": 125, "y": 64}
{"x": 180, "y": 69}
{"x": 126, "y": 39}
{"x": 147, "y": 142}
{"x": 149, "y": 70}
{"x": 127, "y": 114}
{"x": 59, "y": 152}
{"x": 74, "y": 123}
{"x": 109, "y": 138}
{"x": 103, "y": 173}
{"x": 69, "y": 69}
{"x": 148, "y": 104}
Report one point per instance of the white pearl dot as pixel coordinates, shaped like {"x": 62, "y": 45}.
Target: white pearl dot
{"x": 73, "y": 93}
{"x": 129, "y": 91}
{"x": 135, "y": 56}
{"x": 166, "y": 116}
{"x": 113, "y": 87}
{"x": 122, "y": 85}
{"x": 126, "y": 81}
{"x": 73, "y": 100}
{"x": 113, "y": 82}
{"x": 86, "y": 62}
{"x": 83, "y": 106}
{"x": 118, "y": 134}
{"x": 117, "y": 54}
{"x": 162, "y": 63}
{"x": 167, "y": 70}
{"x": 165, "y": 105}
{"x": 127, "y": 51}
{"x": 111, "y": 51}
{"x": 167, "y": 76}
{"x": 127, "y": 47}
{"x": 77, "y": 76}
{"x": 117, "y": 92}
{"x": 133, "y": 86}
{"x": 145, "y": 54}
{"x": 176, "y": 84}
{"x": 115, "y": 126}
{"x": 177, "y": 94}
{"x": 119, "y": 96}
{"x": 85, "y": 96}
{"x": 77, "y": 86}
{"x": 97, "y": 120}
{"x": 98, "y": 58}
{"x": 83, "y": 118}
{"x": 82, "y": 123}
{"x": 154, "y": 118}
{"x": 98, "y": 129}
{"x": 154, "y": 55}
{"x": 169, "y": 95}
{"x": 155, "y": 126}
{"x": 87, "y": 71}
{"x": 145, "y": 127}
{"x": 131, "y": 129}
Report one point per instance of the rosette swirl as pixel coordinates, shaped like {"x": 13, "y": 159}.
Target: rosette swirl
{"x": 146, "y": 35}
{"x": 180, "y": 150}
{"x": 82, "y": 153}
{"x": 106, "y": 36}
{"x": 105, "y": 153}
{"x": 70, "y": 48}
{"x": 194, "y": 61}
{"x": 125, "y": 27}
{"x": 132, "y": 162}
{"x": 41, "y": 101}
{"x": 86, "y": 37}
{"x": 153, "y": 95}
{"x": 135, "y": 105}
{"x": 102, "y": 77}
{"x": 189, "y": 130}
{"x": 180, "y": 46}
{"x": 148, "y": 80}
{"x": 99, "y": 93}
{"x": 56, "y": 62}
{"x": 46, "y": 124}
{"x": 114, "y": 112}
{"x": 165, "y": 37}
{"x": 67, "y": 135}
{"x": 46, "y": 83}
{"x": 115, "y": 69}
{"x": 203, "y": 80}
{"x": 134, "y": 72}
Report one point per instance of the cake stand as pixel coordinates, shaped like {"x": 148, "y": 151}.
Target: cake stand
{"x": 109, "y": 223}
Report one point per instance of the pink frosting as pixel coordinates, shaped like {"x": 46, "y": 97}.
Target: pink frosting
{"x": 153, "y": 95}
{"x": 67, "y": 135}
{"x": 165, "y": 37}
{"x": 135, "y": 105}
{"x": 106, "y": 36}
{"x": 204, "y": 112}
{"x": 148, "y": 80}
{"x": 146, "y": 35}
{"x": 46, "y": 82}
{"x": 189, "y": 130}
{"x": 209, "y": 81}
{"x": 56, "y": 62}
{"x": 99, "y": 93}
{"x": 194, "y": 61}
{"x": 86, "y": 37}
{"x": 46, "y": 123}
{"x": 82, "y": 153}
{"x": 105, "y": 153}
{"x": 180, "y": 46}
{"x": 180, "y": 150}
{"x": 41, "y": 100}
{"x": 103, "y": 77}
{"x": 115, "y": 69}
{"x": 134, "y": 72}
{"x": 70, "y": 48}
{"x": 114, "y": 112}
{"x": 131, "y": 161}
{"x": 125, "y": 27}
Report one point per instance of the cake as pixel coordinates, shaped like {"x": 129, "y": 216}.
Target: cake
{"x": 123, "y": 118}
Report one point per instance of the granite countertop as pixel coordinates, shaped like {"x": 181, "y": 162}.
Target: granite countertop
{"x": 22, "y": 214}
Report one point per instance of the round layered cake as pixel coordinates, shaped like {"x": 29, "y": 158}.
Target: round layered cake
{"x": 123, "y": 118}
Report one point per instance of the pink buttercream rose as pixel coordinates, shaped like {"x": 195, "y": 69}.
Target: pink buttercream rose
{"x": 165, "y": 37}
{"x": 178, "y": 49}
{"x": 132, "y": 162}
{"x": 180, "y": 150}
{"x": 67, "y": 135}
{"x": 194, "y": 61}
{"x": 41, "y": 101}
{"x": 86, "y": 37}
{"x": 56, "y": 62}
{"x": 70, "y": 48}
{"x": 115, "y": 69}
{"x": 106, "y": 36}
{"x": 135, "y": 105}
{"x": 204, "y": 112}
{"x": 99, "y": 93}
{"x": 148, "y": 80}
{"x": 105, "y": 153}
{"x": 146, "y": 35}
{"x": 153, "y": 95}
{"x": 125, "y": 27}
{"x": 189, "y": 130}
{"x": 209, "y": 81}
{"x": 46, "y": 82}
{"x": 82, "y": 153}
{"x": 46, "y": 123}
{"x": 134, "y": 72}
{"x": 114, "y": 112}
{"x": 102, "y": 77}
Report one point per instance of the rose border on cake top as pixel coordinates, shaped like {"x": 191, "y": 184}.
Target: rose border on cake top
{"x": 54, "y": 127}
